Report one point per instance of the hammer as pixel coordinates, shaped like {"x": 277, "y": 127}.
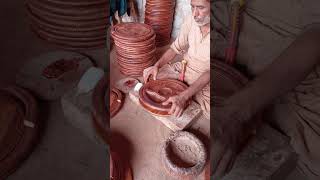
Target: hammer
{"x": 183, "y": 71}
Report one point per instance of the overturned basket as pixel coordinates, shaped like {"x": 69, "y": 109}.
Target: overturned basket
{"x": 19, "y": 128}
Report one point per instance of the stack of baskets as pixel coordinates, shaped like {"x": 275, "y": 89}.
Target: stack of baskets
{"x": 159, "y": 14}
{"x": 70, "y": 24}
{"x": 135, "y": 47}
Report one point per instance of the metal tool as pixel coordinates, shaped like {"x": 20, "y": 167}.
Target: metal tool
{"x": 231, "y": 51}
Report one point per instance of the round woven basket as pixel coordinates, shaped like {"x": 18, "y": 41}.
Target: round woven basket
{"x": 184, "y": 155}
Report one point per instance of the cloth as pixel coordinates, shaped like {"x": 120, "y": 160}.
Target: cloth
{"x": 269, "y": 27}
{"x": 120, "y": 6}
{"x": 195, "y": 49}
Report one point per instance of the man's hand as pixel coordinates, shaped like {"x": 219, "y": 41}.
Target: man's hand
{"x": 234, "y": 120}
{"x": 230, "y": 123}
{"x": 153, "y": 70}
{"x": 222, "y": 159}
{"x": 178, "y": 102}
{"x": 233, "y": 124}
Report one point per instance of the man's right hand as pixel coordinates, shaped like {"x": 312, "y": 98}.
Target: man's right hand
{"x": 153, "y": 70}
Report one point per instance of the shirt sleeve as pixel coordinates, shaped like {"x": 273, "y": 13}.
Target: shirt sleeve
{"x": 181, "y": 44}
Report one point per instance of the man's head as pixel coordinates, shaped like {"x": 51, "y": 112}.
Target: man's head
{"x": 201, "y": 11}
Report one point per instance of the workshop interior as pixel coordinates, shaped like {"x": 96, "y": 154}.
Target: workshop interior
{"x": 160, "y": 90}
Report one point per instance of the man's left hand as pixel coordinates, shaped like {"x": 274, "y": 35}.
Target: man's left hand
{"x": 178, "y": 105}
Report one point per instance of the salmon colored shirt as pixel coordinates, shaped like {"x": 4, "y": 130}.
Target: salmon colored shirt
{"x": 194, "y": 47}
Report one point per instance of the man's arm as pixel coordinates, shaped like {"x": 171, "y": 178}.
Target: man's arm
{"x": 285, "y": 73}
{"x": 167, "y": 57}
{"x": 198, "y": 85}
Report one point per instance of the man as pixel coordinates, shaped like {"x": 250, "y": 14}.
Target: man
{"x": 281, "y": 50}
{"x": 193, "y": 42}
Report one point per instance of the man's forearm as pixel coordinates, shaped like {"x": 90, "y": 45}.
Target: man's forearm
{"x": 168, "y": 56}
{"x": 285, "y": 73}
{"x": 198, "y": 85}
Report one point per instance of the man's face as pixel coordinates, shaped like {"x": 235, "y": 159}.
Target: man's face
{"x": 201, "y": 11}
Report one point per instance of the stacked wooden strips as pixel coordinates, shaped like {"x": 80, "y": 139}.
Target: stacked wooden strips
{"x": 135, "y": 47}
{"x": 70, "y": 24}
{"x": 159, "y": 14}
